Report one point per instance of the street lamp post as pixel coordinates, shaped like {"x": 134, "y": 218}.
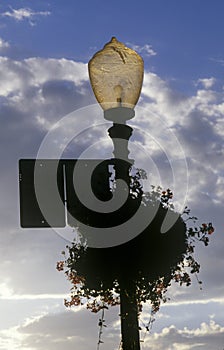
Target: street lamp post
{"x": 140, "y": 267}
{"x": 116, "y": 75}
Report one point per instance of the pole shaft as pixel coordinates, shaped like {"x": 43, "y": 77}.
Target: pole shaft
{"x": 120, "y": 134}
{"x": 129, "y": 316}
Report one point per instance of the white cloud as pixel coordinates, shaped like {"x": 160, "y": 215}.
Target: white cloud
{"x": 22, "y": 14}
{"x": 207, "y": 83}
{"x": 217, "y": 60}
{"x": 3, "y": 44}
{"x": 7, "y": 294}
{"x": 35, "y": 84}
{"x": 146, "y": 49}
{"x": 68, "y": 330}
{"x": 197, "y": 122}
{"x": 11, "y": 339}
{"x": 17, "y": 77}
{"x": 48, "y": 332}
{"x": 159, "y": 97}
{"x": 206, "y": 337}
{"x": 44, "y": 70}
{"x": 5, "y": 291}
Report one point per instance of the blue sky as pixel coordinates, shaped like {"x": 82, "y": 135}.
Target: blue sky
{"x": 178, "y": 138}
{"x": 187, "y": 35}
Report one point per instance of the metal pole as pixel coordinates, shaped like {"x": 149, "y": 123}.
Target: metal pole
{"x": 120, "y": 134}
{"x": 129, "y": 316}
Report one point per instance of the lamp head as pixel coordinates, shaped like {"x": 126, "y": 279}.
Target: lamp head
{"x": 116, "y": 75}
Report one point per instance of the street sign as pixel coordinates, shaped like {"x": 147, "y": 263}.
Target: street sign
{"x": 48, "y": 190}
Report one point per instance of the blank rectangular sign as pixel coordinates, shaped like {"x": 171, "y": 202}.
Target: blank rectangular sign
{"x": 41, "y": 202}
{"x": 47, "y": 190}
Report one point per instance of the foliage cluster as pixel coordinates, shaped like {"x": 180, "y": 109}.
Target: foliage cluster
{"x": 95, "y": 274}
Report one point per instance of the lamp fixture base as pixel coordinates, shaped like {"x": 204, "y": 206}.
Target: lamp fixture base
{"x": 119, "y": 115}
